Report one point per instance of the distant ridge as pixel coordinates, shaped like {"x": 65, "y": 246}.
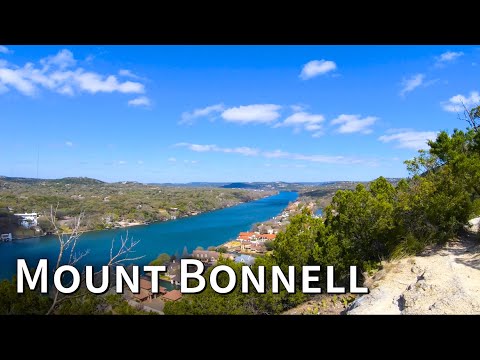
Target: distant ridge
{"x": 66, "y": 180}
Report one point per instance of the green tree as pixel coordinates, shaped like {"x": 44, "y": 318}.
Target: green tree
{"x": 28, "y": 303}
{"x": 161, "y": 259}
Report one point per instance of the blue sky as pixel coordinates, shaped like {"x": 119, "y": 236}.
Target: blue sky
{"x": 227, "y": 113}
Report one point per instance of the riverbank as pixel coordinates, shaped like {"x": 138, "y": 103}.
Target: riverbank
{"x": 128, "y": 224}
{"x": 171, "y": 237}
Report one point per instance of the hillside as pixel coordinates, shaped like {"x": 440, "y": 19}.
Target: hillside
{"x": 109, "y": 205}
{"x": 441, "y": 280}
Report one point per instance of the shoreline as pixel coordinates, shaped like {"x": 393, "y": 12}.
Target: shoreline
{"x": 132, "y": 224}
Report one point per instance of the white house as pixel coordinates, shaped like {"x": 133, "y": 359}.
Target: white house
{"x": 6, "y": 237}
{"x": 28, "y": 219}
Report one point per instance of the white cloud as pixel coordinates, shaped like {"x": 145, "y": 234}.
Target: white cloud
{"x": 243, "y": 150}
{"x": 172, "y": 159}
{"x": 411, "y": 83}
{"x": 326, "y": 159}
{"x": 448, "y": 56}
{"x": 279, "y": 154}
{"x": 93, "y": 83}
{"x": 5, "y": 50}
{"x": 140, "y": 162}
{"x": 188, "y": 117}
{"x": 190, "y": 161}
{"x": 63, "y": 59}
{"x": 354, "y": 123}
{"x": 140, "y": 101}
{"x": 14, "y": 78}
{"x": 303, "y": 120}
{"x": 122, "y": 162}
{"x": 128, "y": 73}
{"x": 415, "y": 140}
{"x": 298, "y": 107}
{"x": 317, "y": 67}
{"x": 68, "y": 143}
{"x": 257, "y": 113}
{"x": 57, "y": 73}
{"x": 455, "y": 103}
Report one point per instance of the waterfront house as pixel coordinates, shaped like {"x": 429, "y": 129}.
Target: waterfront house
{"x": 266, "y": 237}
{"x": 246, "y": 245}
{"x": 245, "y": 259}
{"x": 27, "y": 220}
{"x": 6, "y": 237}
{"x": 246, "y": 235}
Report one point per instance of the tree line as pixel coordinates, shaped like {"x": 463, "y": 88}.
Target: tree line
{"x": 366, "y": 225}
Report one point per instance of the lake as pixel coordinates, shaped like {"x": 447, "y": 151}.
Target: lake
{"x": 208, "y": 229}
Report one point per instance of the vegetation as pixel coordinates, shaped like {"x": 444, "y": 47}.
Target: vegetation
{"x": 365, "y": 225}
{"x": 83, "y": 303}
{"x": 162, "y": 259}
{"x": 106, "y": 204}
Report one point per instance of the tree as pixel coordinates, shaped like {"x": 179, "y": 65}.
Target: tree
{"x": 363, "y": 220}
{"x": 185, "y": 253}
{"x": 29, "y": 303}
{"x": 68, "y": 242}
{"x": 161, "y": 259}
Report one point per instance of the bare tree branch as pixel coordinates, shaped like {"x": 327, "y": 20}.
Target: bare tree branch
{"x": 69, "y": 242}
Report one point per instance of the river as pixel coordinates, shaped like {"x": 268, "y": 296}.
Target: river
{"x": 208, "y": 229}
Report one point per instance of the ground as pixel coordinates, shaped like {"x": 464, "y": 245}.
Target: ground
{"x": 322, "y": 304}
{"x": 442, "y": 280}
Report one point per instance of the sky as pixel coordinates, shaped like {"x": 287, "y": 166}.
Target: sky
{"x": 178, "y": 114}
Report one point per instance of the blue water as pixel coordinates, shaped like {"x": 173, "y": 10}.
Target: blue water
{"x": 209, "y": 229}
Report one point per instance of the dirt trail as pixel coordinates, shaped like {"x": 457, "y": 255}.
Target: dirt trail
{"x": 443, "y": 280}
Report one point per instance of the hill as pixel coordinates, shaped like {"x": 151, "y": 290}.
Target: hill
{"x": 108, "y": 205}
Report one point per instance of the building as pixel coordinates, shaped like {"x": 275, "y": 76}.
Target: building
{"x": 27, "y": 220}
{"x": 173, "y": 295}
{"x": 206, "y": 256}
{"x": 6, "y": 237}
{"x": 246, "y": 245}
{"x": 245, "y": 259}
{"x": 266, "y": 237}
{"x": 145, "y": 293}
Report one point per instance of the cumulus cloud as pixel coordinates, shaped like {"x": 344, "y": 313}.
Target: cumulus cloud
{"x": 415, "y": 140}
{"x": 140, "y": 101}
{"x": 68, "y": 143}
{"x": 58, "y": 73}
{"x": 304, "y": 121}
{"x": 448, "y": 56}
{"x": 243, "y": 150}
{"x": 317, "y": 67}
{"x": 5, "y": 50}
{"x": 63, "y": 59}
{"x": 209, "y": 111}
{"x": 140, "y": 162}
{"x": 456, "y": 103}
{"x": 122, "y": 162}
{"x": 354, "y": 123}
{"x": 257, "y": 113}
{"x": 411, "y": 83}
